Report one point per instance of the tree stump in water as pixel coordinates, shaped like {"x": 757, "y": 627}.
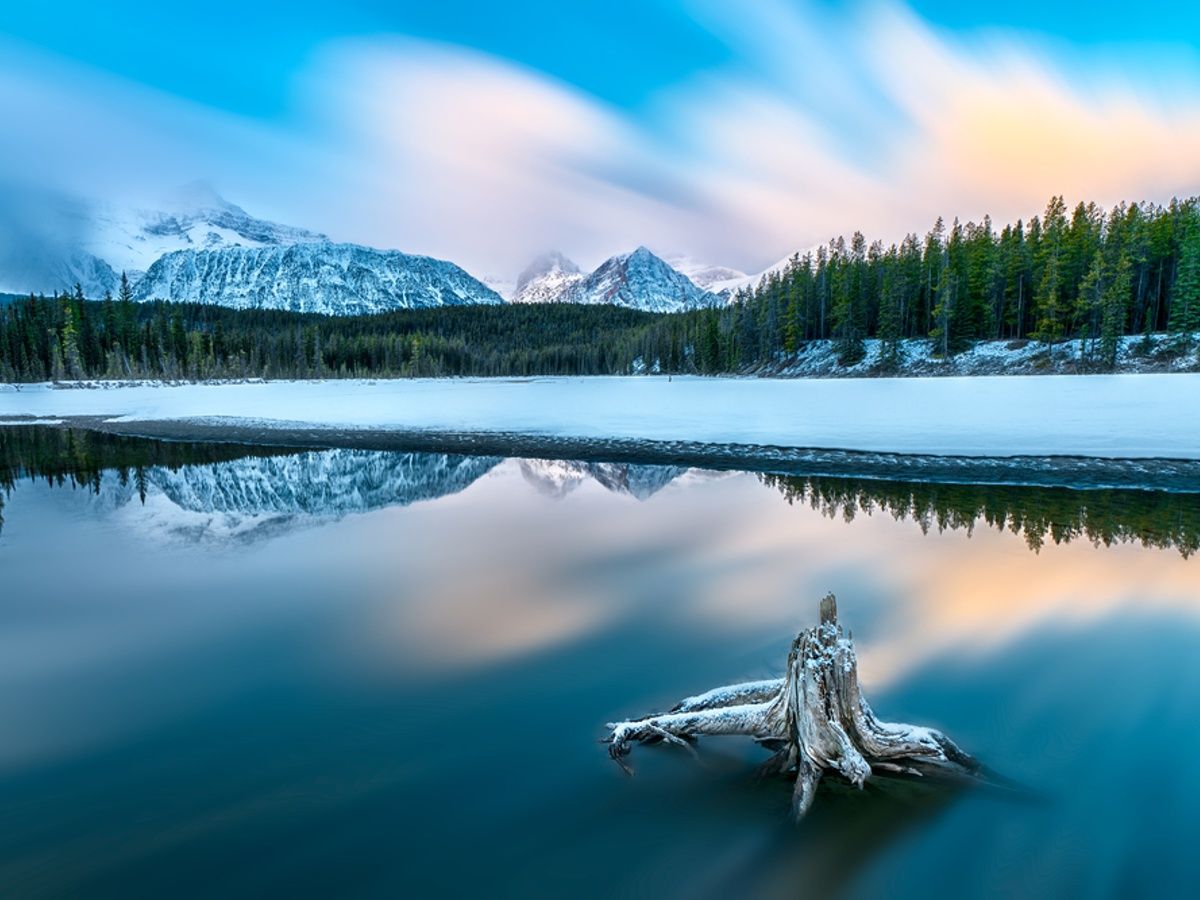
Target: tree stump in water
{"x": 815, "y": 719}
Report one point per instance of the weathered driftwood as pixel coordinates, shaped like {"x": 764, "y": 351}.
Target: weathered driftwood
{"x": 815, "y": 719}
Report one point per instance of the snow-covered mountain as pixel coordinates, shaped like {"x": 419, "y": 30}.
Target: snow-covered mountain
{"x": 195, "y": 217}
{"x": 339, "y": 279}
{"x": 556, "y": 478}
{"x": 548, "y": 279}
{"x": 703, "y": 275}
{"x": 639, "y": 280}
{"x": 50, "y": 242}
{"x": 41, "y": 244}
{"x": 49, "y": 268}
{"x": 196, "y": 246}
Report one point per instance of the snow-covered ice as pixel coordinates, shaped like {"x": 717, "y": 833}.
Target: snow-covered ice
{"x": 1101, "y": 415}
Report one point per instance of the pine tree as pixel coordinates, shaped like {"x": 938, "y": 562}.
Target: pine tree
{"x": 1115, "y": 311}
{"x": 891, "y": 318}
{"x": 1048, "y": 301}
{"x": 1089, "y": 306}
{"x": 125, "y": 292}
{"x": 71, "y": 360}
{"x": 710, "y": 347}
{"x": 943, "y": 313}
{"x": 57, "y": 370}
{"x": 1185, "y": 295}
{"x": 849, "y": 329}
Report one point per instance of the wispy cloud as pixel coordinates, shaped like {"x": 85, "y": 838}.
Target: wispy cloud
{"x": 824, "y": 122}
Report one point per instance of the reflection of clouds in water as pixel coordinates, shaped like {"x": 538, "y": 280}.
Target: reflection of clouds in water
{"x": 498, "y": 573}
{"x": 998, "y": 592}
{"x": 491, "y": 571}
{"x": 917, "y": 595}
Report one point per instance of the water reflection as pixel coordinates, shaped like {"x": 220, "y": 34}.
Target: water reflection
{"x": 340, "y": 710}
{"x": 198, "y": 492}
{"x": 1103, "y": 517}
{"x": 558, "y": 478}
{"x": 203, "y": 491}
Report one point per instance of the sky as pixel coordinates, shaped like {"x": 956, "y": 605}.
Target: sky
{"x": 486, "y": 133}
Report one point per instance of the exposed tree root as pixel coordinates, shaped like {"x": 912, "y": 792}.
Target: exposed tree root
{"x": 814, "y": 719}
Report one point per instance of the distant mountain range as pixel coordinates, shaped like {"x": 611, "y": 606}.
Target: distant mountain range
{"x": 198, "y": 247}
{"x": 638, "y": 280}
{"x": 317, "y": 277}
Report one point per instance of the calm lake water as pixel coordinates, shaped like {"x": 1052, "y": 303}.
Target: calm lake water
{"x": 235, "y": 673}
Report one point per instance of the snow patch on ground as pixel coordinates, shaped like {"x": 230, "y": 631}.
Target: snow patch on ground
{"x": 1135, "y": 354}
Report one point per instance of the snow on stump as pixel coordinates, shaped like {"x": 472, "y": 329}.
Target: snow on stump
{"x": 815, "y": 719}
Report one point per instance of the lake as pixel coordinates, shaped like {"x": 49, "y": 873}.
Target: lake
{"x": 233, "y": 671}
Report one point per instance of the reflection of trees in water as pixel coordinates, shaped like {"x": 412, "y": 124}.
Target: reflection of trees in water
{"x": 68, "y": 457}
{"x": 78, "y": 458}
{"x": 1103, "y": 517}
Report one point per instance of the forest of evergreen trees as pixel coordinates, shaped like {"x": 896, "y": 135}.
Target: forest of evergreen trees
{"x": 69, "y": 337}
{"x": 1087, "y": 276}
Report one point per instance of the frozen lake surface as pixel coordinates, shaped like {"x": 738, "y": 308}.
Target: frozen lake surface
{"x": 1125, "y": 416}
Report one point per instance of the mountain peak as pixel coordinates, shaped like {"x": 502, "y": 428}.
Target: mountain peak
{"x": 638, "y": 279}
{"x": 641, "y": 280}
{"x": 314, "y": 276}
{"x": 550, "y": 262}
{"x": 550, "y": 278}
{"x": 198, "y": 196}
{"x": 192, "y": 217}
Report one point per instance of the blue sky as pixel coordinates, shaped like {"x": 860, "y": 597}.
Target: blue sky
{"x": 736, "y": 134}
{"x": 241, "y": 56}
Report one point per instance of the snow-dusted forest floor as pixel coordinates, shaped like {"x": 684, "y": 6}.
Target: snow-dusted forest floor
{"x": 1135, "y": 355}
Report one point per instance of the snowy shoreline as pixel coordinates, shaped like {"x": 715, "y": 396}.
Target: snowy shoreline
{"x": 1098, "y": 416}
{"x": 1136, "y": 354}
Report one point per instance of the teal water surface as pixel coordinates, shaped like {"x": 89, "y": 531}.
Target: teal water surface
{"x": 244, "y": 673}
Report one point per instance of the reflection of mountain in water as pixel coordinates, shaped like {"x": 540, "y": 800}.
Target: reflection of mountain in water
{"x": 325, "y": 484}
{"x": 228, "y": 492}
{"x": 210, "y": 491}
{"x": 252, "y": 498}
{"x": 557, "y": 478}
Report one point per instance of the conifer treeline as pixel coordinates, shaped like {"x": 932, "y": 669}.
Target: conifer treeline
{"x": 69, "y": 337}
{"x": 1089, "y": 276}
